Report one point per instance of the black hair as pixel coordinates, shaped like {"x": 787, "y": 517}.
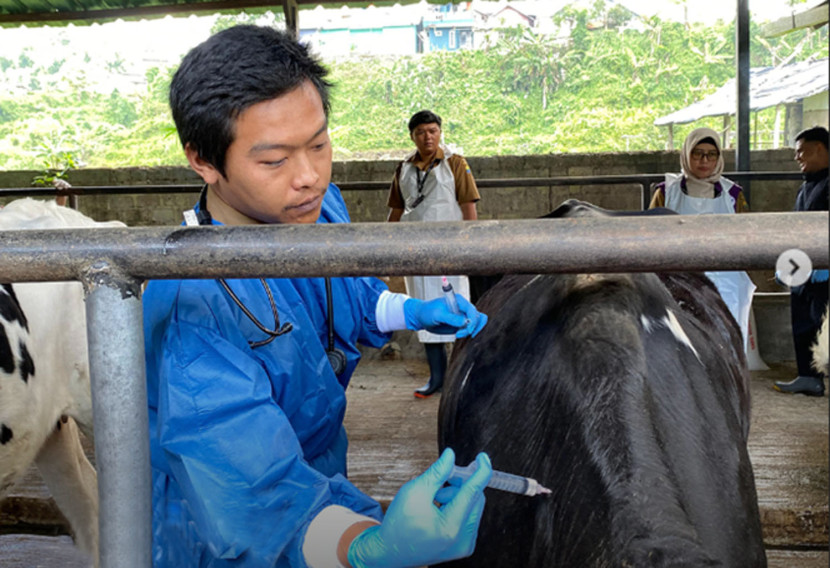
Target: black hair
{"x": 423, "y": 117}
{"x": 814, "y": 134}
{"x": 231, "y": 71}
{"x": 708, "y": 140}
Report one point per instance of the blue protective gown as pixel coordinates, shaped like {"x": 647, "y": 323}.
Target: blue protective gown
{"x": 248, "y": 444}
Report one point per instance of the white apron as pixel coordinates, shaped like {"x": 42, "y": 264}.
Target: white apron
{"x": 439, "y": 204}
{"x": 736, "y": 288}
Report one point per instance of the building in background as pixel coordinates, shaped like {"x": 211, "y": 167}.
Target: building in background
{"x": 392, "y": 30}
{"x": 407, "y": 29}
{"x": 449, "y": 28}
{"x": 798, "y": 92}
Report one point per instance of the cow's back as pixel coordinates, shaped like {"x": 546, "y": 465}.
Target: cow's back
{"x": 631, "y": 408}
{"x": 56, "y": 315}
{"x": 44, "y": 378}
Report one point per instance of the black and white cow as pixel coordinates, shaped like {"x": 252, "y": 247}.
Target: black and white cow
{"x": 821, "y": 349}
{"x": 44, "y": 379}
{"x": 627, "y": 395}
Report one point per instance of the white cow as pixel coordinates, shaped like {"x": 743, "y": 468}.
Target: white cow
{"x": 821, "y": 349}
{"x": 44, "y": 379}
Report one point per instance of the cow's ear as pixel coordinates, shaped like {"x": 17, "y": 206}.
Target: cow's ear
{"x": 574, "y": 208}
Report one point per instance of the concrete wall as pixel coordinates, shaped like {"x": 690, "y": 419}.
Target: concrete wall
{"x": 496, "y": 203}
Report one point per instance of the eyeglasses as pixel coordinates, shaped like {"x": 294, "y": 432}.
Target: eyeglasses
{"x": 711, "y": 155}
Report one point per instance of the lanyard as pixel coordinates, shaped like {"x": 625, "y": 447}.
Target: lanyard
{"x": 422, "y": 181}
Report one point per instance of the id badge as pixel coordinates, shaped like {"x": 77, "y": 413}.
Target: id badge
{"x": 417, "y": 201}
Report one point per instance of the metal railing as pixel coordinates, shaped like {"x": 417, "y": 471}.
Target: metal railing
{"x": 583, "y": 244}
{"x": 645, "y": 181}
{"x": 112, "y": 262}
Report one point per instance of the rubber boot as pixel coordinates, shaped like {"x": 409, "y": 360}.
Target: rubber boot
{"x": 437, "y": 359}
{"x": 811, "y": 386}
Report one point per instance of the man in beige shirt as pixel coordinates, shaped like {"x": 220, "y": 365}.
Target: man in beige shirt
{"x": 432, "y": 184}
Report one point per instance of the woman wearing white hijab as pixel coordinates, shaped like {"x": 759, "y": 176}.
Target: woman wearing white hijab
{"x": 701, "y": 189}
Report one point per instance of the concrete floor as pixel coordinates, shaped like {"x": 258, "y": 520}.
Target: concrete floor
{"x": 393, "y": 438}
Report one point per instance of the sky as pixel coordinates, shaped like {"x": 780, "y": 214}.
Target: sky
{"x": 708, "y": 11}
{"x": 139, "y": 45}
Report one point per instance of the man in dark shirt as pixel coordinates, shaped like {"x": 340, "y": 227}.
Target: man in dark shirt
{"x": 808, "y": 302}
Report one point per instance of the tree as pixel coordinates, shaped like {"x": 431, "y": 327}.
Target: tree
{"x": 120, "y": 110}
{"x": 116, "y": 65}
{"x": 24, "y": 61}
{"x": 253, "y": 17}
{"x": 598, "y": 90}
{"x": 531, "y": 61}
{"x": 57, "y": 160}
{"x": 55, "y": 66}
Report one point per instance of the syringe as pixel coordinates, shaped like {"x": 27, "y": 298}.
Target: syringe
{"x": 503, "y": 481}
{"x": 449, "y": 296}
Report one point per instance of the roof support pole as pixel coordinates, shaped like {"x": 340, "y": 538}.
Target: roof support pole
{"x": 291, "y": 11}
{"x": 776, "y": 135}
{"x": 795, "y": 121}
{"x": 725, "y": 135}
{"x": 742, "y": 139}
{"x": 755, "y": 140}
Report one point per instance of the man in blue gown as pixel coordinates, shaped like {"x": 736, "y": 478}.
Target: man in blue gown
{"x": 246, "y": 411}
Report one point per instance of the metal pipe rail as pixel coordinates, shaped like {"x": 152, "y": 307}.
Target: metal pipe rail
{"x": 584, "y": 244}
{"x": 121, "y": 421}
{"x": 111, "y": 262}
{"x": 644, "y": 180}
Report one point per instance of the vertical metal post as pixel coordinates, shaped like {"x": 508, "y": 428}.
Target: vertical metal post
{"x": 292, "y": 13}
{"x": 119, "y": 404}
{"x": 742, "y": 140}
{"x": 795, "y": 122}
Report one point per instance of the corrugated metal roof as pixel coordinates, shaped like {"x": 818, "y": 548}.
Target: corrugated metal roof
{"x": 768, "y": 86}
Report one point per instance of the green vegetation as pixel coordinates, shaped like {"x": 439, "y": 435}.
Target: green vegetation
{"x": 598, "y": 91}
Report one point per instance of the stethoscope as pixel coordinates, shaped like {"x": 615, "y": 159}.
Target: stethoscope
{"x": 336, "y": 357}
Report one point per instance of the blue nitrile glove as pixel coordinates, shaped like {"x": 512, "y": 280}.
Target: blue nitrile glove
{"x": 435, "y": 316}
{"x": 819, "y": 276}
{"x": 416, "y": 531}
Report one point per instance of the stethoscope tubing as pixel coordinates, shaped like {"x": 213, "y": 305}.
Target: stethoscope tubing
{"x": 337, "y": 357}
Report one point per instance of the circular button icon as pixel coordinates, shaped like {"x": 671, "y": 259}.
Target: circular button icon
{"x": 793, "y": 267}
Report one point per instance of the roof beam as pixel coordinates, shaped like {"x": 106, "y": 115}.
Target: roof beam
{"x": 39, "y": 16}
{"x": 813, "y": 17}
{"x": 137, "y": 11}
